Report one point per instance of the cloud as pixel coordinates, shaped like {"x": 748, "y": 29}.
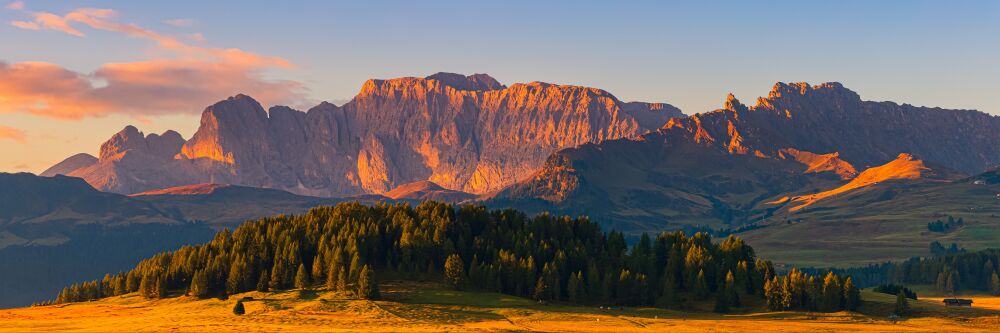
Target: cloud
{"x": 16, "y": 5}
{"x": 48, "y": 21}
{"x": 10, "y": 133}
{"x": 180, "y": 23}
{"x": 25, "y": 25}
{"x": 191, "y": 78}
{"x": 197, "y": 37}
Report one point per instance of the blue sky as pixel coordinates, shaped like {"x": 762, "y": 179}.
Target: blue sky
{"x": 689, "y": 54}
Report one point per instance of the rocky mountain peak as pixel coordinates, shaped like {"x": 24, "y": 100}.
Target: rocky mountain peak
{"x": 130, "y": 138}
{"x": 733, "y": 104}
{"x": 235, "y": 121}
{"x": 474, "y": 82}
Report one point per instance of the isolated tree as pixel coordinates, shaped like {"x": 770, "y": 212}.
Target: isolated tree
{"x": 238, "y": 309}
{"x": 301, "y": 277}
{"x": 454, "y": 271}
{"x": 852, "y": 296}
{"x": 367, "y": 286}
{"x": 902, "y": 305}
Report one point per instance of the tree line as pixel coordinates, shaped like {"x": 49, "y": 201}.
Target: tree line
{"x": 546, "y": 257}
{"x": 958, "y": 271}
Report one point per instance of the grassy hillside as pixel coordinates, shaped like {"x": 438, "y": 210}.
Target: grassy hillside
{"x": 431, "y": 307}
{"x": 881, "y": 222}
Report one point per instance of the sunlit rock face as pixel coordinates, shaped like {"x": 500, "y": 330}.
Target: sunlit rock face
{"x": 465, "y": 133}
{"x": 829, "y": 118}
{"x": 717, "y": 165}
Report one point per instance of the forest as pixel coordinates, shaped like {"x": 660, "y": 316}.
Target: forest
{"x": 349, "y": 246}
{"x": 953, "y": 272}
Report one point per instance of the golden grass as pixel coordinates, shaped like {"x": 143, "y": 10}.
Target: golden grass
{"x": 412, "y": 307}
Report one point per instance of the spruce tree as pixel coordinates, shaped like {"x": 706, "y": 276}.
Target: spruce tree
{"x": 262, "y": 283}
{"x": 994, "y": 284}
{"x": 454, "y": 271}
{"x": 341, "y": 279}
{"x": 902, "y": 305}
{"x": 542, "y": 291}
{"x": 301, "y": 277}
{"x": 199, "y": 285}
{"x": 832, "y": 294}
{"x": 700, "y": 286}
{"x": 367, "y": 286}
{"x": 574, "y": 287}
{"x": 852, "y": 296}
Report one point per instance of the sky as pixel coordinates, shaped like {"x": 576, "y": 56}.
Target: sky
{"x": 74, "y": 73}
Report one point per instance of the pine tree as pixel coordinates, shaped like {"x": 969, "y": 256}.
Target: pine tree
{"x": 732, "y": 293}
{"x": 238, "y": 309}
{"x": 902, "y": 305}
{"x": 574, "y": 287}
{"x": 301, "y": 277}
{"x": 700, "y": 286}
{"x": 236, "y": 279}
{"x": 262, "y": 282}
{"x": 341, "y": 279}
{"x": 852, "y": 296}
{"x": 995, "y": 284}
{"x": 542, "y": 291}
{"x": 831, "y": 294}
{"x": 773, "y": 294}
{"x": 454, "y": 271}
{"x": 367, "y": 286}
{"x": 276, "y": 282}
{"x": 317, "y": 267}
{"x": 199, "y": 285}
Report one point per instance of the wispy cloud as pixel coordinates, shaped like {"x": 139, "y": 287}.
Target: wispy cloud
{"x": 16, "y": 5}
{"x": 10, "y": 133}
{"x": 192, "y": 77}
{"x": 180, "y": 23}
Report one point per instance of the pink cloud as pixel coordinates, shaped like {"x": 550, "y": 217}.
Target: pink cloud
{"x": 10, "y": 133}
{"x": 194, "y": 77}
{"x": 29, "y": 25}
{"x": 49, "y": 21}
{"x": 16, "y": 5}
{"x": 180, "y": 23}
{"x": 138, "y": 88}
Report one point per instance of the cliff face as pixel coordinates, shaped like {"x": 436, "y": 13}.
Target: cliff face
{"x": 466, "y": 133}
{"x": 723, "y": 167}
{"x": 829, "y": 118}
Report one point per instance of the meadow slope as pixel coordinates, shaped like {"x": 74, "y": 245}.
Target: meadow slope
{"x": 429, "y": 307}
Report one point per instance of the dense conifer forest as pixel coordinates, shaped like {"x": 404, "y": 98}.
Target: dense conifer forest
{"x": 549, "y": 258}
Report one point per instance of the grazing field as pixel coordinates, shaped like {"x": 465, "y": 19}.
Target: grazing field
{"x": 429, "y": 307}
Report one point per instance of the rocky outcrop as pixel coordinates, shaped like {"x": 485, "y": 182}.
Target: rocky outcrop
{"x": 465, "y": 133}
{"x": 829, "y": 118}
{"x": 729, "y": 166}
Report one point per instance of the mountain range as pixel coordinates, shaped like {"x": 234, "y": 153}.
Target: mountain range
{"x": 724, "y": 168}
{"x": 464, "y": 133}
